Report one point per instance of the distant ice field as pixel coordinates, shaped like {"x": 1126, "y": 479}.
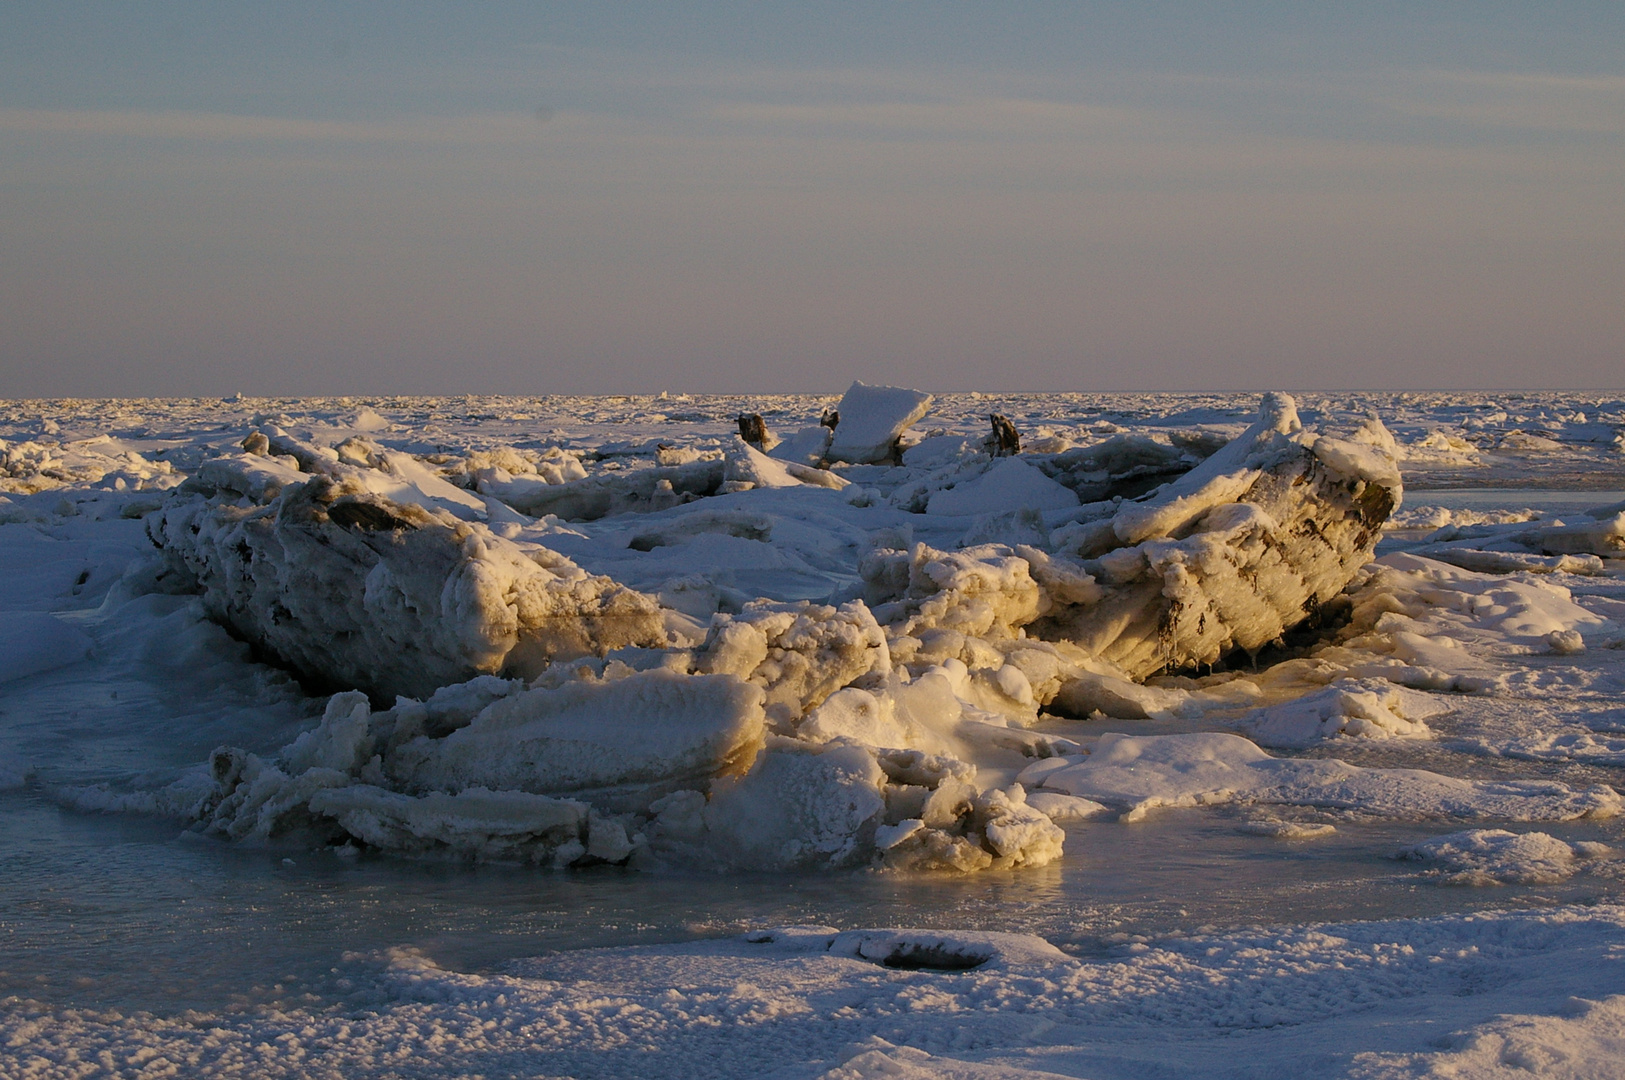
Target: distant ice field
{"x": 1283, "y": 933}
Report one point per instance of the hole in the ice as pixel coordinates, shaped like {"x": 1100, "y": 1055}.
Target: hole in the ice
{"x": 682, "y": 532}
{"x": 932, "y": 958}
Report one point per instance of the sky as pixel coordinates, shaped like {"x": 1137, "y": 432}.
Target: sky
{"x": 338, "y": 198}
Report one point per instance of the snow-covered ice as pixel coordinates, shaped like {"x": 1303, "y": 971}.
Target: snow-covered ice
{"x": 1497, "y": 857}
{"x": 627, "y": 749}
{"x": 1144, "y": 773}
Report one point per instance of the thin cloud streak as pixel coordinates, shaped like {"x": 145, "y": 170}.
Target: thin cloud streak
{"x": 490, "y": 128}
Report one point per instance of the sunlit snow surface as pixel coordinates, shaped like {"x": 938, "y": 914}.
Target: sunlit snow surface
{"x": 1294, "y": 928}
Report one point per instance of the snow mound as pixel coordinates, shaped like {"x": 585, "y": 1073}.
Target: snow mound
{"x": 1543, "y": 546}
{"x": 1588, "y": 747}
{"x": 1142, "y": 773}
{"x": 1428, "y": 625}
{"x": 1498, "y": 857}
{"x": 1350, "y": 708}
{"x": 32, "y": 643}
{"x": 1011, "y": 484}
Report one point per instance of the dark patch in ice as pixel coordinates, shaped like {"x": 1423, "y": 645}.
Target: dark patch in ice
{"x": 369, "y": 517}
{"x": 911, "y": 956}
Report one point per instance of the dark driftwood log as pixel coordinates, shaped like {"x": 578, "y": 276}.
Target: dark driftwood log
{"x": 1006, "y": 440}
{"x": 753, "y": 429}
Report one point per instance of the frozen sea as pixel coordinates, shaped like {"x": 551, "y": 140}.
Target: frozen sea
{"x": 1229, "y": 939}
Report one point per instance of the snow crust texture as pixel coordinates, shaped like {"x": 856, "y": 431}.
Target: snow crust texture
{"x": 1462, "y": 996}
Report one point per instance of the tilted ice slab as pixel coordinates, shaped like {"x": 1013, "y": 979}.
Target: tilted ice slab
{"x": 872, "y": 417}
{"x": 1142, "y": 773}
{"x": 1248, "y": 544}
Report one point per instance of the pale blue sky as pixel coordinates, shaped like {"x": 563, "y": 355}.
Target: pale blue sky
{"x": 342, "y": 198}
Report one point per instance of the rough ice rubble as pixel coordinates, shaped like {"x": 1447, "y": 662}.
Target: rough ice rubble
{"x": 31, "y": 466}
{"x": 478, "y": 769}
{"x": 1573, "y": 545}
{"x": 352, "y": 587}
{"x": 875, "y": 721}
{"x": 600, "y": 761}
{"x": 606, "y": 494}
{"x": 872, "y": 419}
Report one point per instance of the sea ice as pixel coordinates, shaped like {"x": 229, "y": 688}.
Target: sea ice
{"x": 1499, "y": 857}
{"x": 352, "y": 588}
{"x": 872, "y": 418}
{"x": 1142, "y": 773}
{"x": 1353, "y": 708}
{"x": 32, "y": 642}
